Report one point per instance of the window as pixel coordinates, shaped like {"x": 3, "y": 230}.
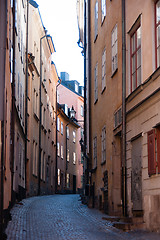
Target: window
{"x": 95, "y": 152}
{"x": 118, "y": 118}
{"x": 103, "y": 8}
{"x": 59, "y": 177}
{"x": 44, "y": 167}
{"x": 76, "y": 87}
{"x": 157, "y": 33}
{"x": 96, "y": 83}
{"x": 104, "y": 70}
{"x": 62, "y": 128}
{"x": 103, "y": 144}
{"x": 35, "y": 104}
{"x": 96, "y": 20}
{"x": 114, "y": 50}
{"x": 82, "y": 111}
{"x": 74, "y": 136}
{"x": 74, "y": 158}
{"x": 58, "y": 124}
{"x": 153, "y": 151}
{"x": 67, "y": 180}
{"x": 57, "y": 96}
{"x": 58, "y": 149}
{"x": 67, "y": 155}
{"x": 62, "y": 151}
{"x": 67, "y": 132}
{"x": 136, "y": 59}
{"x": 35, "y": 158}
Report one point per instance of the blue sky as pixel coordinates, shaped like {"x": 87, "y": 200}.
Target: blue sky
{"x": 60, "y": 19}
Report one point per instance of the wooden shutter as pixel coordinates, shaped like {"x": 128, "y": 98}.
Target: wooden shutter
{"x": 151, "y": 153}
{"x": 158, "y": 149}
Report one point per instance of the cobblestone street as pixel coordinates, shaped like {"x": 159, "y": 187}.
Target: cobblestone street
{"x": 64, "y": 217}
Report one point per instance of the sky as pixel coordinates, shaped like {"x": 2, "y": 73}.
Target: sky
{"x": 60, "y": 19}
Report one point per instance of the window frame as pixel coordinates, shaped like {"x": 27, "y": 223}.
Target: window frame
{"x": 96, "y": 83}
{"x": 104, "y": 70}
{"x": 95, "y": 151}
{"x": 114, "y": 46}
{"x": 103, "y": 145}
{"x": 132, "y": 54}
{"x": 103, "y": 9}
{"x": 157, "y": 24}
{"x": 96, "y": 20}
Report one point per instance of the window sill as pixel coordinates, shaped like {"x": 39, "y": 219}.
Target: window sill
{"x": 96, "y": 38}
{"x": 103, "y": 90}
{"x": 94, "y": 169}
{"x": 114, "y": 73}
{"x": 103, "y": 163}
{"x": 95, "y": 101}
{"x": 103, "y": 21}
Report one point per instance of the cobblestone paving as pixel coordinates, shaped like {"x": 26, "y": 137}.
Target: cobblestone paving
{"x": 63, "y": 217}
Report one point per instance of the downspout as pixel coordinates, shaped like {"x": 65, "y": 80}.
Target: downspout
{"x": 124, "y": 167}
{"x": 89, "y": 82}
{"x": 56, "y": 180}
{"x": 26, "y": 97}
{"x": 85, "y": 110}
{"x": 13, "y": 109}
{"x": 3, "y": 54}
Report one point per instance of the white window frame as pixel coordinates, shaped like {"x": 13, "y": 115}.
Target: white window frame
{"x": 96, "y": 82}
{"x": 62, "y": 151}
{"x": 58, "y": 149}
{"x": 82, "y": 111}
{"x": 103, "y": 143}
{"x": 74, "y": 158}
{"x": 67, "y": 132}
{"x": 62, "y": 128}
{"x": 58, "y": 124}
{"x": 114, "y": 49}
{"x": 96, "y": 20}
{"x": 95, "y": 152}
{"x": 104, "y": 70}
{"x": 74, "y": 136}
{"x": 67, "y": 155}
{"x": 59, "y": 177}
{"x": 103, "y": 9}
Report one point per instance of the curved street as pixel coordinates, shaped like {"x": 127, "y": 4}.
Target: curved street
{"x": 64, "y": 217}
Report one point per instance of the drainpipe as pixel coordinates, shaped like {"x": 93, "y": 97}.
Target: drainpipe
{"x": 13, "y": 108}
{"x": 85, "y": 105}
{"x": 124, "y": 167}
{"x": 3, "y": 37}
{"x": 56, "y": 180}
{"x": 89, "y": 83}
{"x": 26, "y": 97}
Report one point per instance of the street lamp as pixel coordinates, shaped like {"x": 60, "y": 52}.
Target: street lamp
{"x": 40, "y": 113}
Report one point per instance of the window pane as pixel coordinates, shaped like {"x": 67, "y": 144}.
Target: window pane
{"x": 139, "y": 58}
{"x": 138, "y": 76}
{"x": 158, "y": 57}
{"x": 133, "y": 43}
{"x": 158, "y": 12}
{"x": 133, "y": 64}
{"x": 133, "y": 81}
{"x": 138, "y": 37}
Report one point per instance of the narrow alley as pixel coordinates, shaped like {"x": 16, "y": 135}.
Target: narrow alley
{"x": 62, "y": 217}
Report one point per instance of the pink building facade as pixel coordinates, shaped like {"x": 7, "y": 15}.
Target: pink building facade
{"x": 71, "y": 94}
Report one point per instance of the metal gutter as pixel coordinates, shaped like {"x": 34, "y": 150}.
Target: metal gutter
{"x": 124, "y": 167}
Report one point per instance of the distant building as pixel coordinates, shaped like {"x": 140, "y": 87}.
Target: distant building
{"x": 67, "y": 160}
{"x": 70, "y": 93}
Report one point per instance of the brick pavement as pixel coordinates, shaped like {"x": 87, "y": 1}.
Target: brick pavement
{"x": 63, "y": 217}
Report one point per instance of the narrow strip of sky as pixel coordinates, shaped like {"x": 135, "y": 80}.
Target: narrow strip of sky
{"x": 60, "y": 19}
